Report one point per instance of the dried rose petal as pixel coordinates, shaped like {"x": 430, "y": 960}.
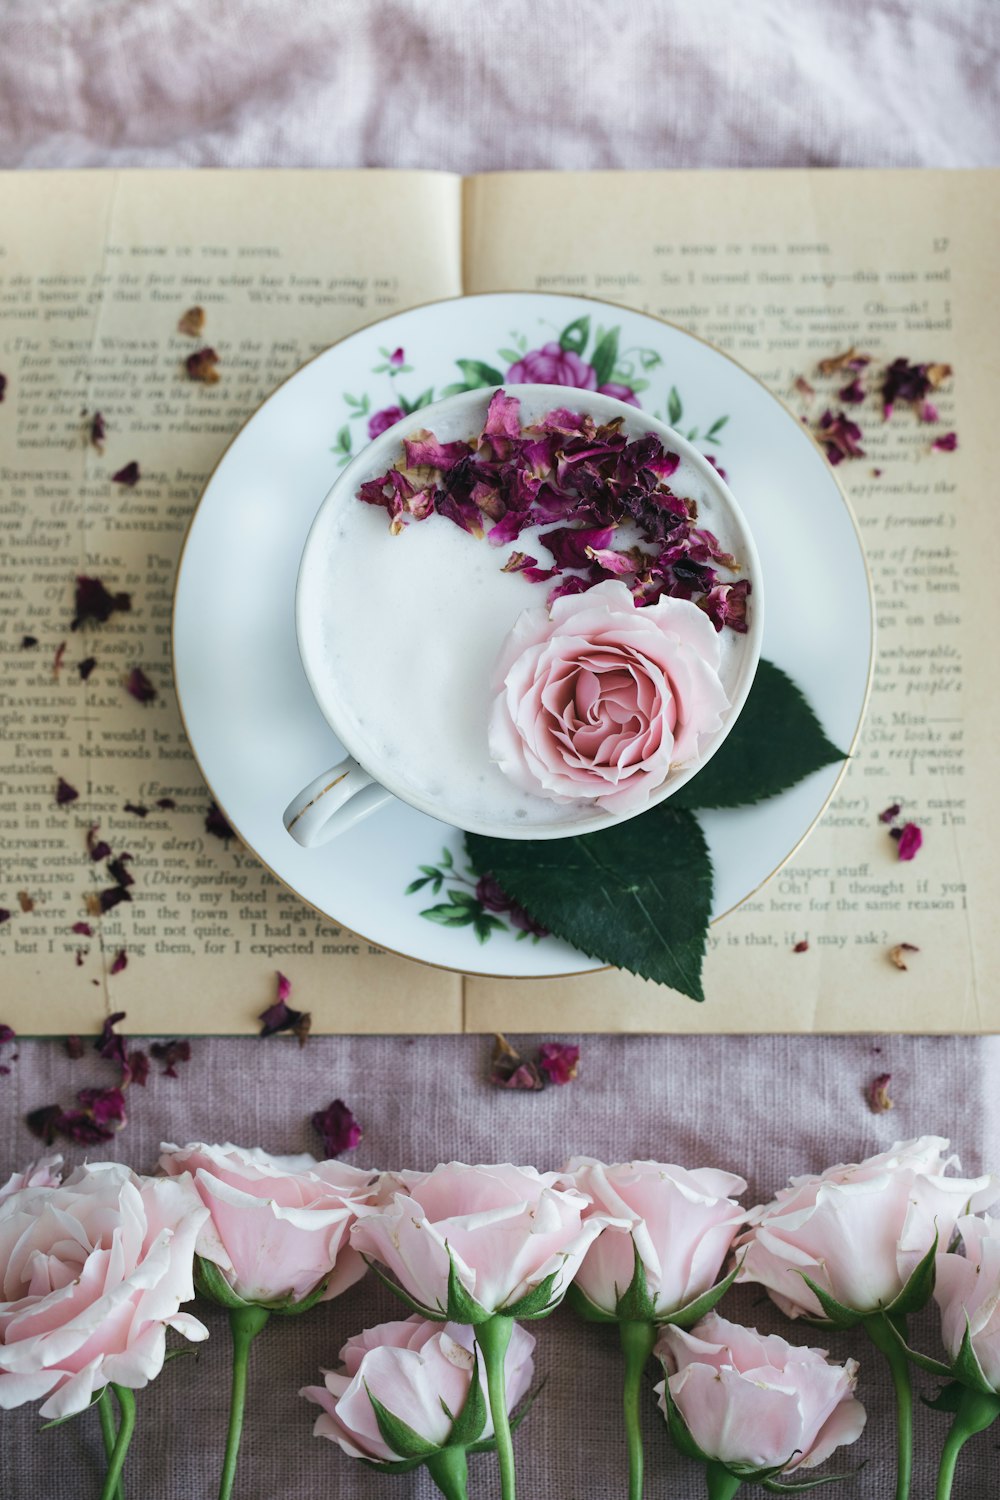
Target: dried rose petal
{"x": 98, "y": 431}
{"x": 82, "y": 929}
{"x": 78, "y": 958}
{"x": 73, "y": 1047}
{"x": 850, "y": 359}
{"x": 192, "y": 322}
{"x": 890, "y": 813}
{"x": 107, "y": 1106}
{"x": 559, "y": 1061}
{"x": 65, "y": 793}
{"x": 95, "y": 603}
{"x": 3, "y": 386}
{"x": 138, "y": 1067}
{"x": 853, "y": 394}
{"x": 508, "y": 1070}
{"x": 57, "y": 660}
{"x": 946, "y": 443}
{"x": 79, "y": 1125}
{"x": 216, "y": 823}
{"x": 109, "y": 1044}
{"x": 279, "y": 1016}
{"x": 201, "y": 365}
{"x": 878, "y": 1094}
{"x": 905, "y": 382}
{"x": 802, "y": 946}
{"x": 86, "y": 666}
{"x": 96, "y": 848}
{"x": 896, "y": 954}
{"x": 171, "y": 1053}
{"x": 116, "y": 869}
{"x": 337, "y": 1128}
{"x": 100, "y": 902}
{"x": 840, "y": 436}
{"x": 119, "y": 962}
{"x": 166, "y": 804}
{"x": 139, "y": 685}
{"x": 128, "y": 476}
{"x": 7, "y": 1033}
{"x": 137, "y": 809}
{"x": 25, "y": 902}
{"x": 928, "y": 412}
{"x": 4, "y": 915}
{"x": 27, "y": 641}
{"x": 42, "y": 1122}
{"x": 910, "y": 839}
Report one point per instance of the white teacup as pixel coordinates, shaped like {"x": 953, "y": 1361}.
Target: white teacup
{"x": 357, "y": 786}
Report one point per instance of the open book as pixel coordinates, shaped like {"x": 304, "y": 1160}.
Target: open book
{"x": 779, "y": 268}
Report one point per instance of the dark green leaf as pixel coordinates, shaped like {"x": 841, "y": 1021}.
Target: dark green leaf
{"x": 471, "y": 1420}
{"x": 641, "y": 901}
{"x": 510, "y": 355}
{"x": 833, "y": 1311}
{"x": 446, "y": 860}
{"x": 948, "y": 1398}
{"x": 418, "y": 885}
{"x": 575, "y": 335}
{"x": 454, "y": 390}
{"x": 478, "y": 374}
{"x": 534, "y": 1304}
{"x": 675, "y": 407}
{"x": 397, "y": 1435}
{"x": 464, "y": 899}
{"x": 919, "y": 1288}
{"x": 716, "y": 427}
{"x": 424, "y": 399}
{"x": 404, "y": 405}
{"x": 605, "y": 353}
{"x": 776, "y": 741}
{"x": 692, "y": 436}
{"x": 344, "y": 439}
{"x": 649, "y": 359}
{"x": 448, "y": 916}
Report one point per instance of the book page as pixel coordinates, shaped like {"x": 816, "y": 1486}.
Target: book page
{"x": 782, "y": 269}
{"x": 96, "y": 268}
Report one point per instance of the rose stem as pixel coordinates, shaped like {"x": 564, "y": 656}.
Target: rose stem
{"x": 493, "y": 1336}
{"x": 637, "y": 1340}
{"x": 108, "y": 1433}
{"x": 882, "y": 1336}
{"x": 976, "y": 1411}
{"x": 721, "y": 1484}
{"x": 449, "y": 1470}
{"x": 244, "y": 1324}
{"x": 126, "y": 1406}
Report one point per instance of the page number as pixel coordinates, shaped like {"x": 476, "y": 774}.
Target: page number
{"x": 939, "y": 245}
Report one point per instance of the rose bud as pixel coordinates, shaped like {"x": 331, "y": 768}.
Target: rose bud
{"x": 414, "y": 1392}
{"x": 752, "y": 1405}
{"x": 92, "y": 1274}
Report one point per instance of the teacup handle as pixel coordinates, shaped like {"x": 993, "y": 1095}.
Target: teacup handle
{"x": 333, "y": 803}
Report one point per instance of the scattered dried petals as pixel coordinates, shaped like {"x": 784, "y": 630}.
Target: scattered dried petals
{"x": 100, "y": 902}
{"x": 192, "y": 322}
{"x": 28, "y": 641}
{"x": 201, "y": 365}
{"x": 337, "y": 1128}
{"x": 840, "y": 436}
{"x": 910, "y": 839}
{"x": 170, "y": 1054}
{"x": 896, "y": 954}
{"x": 117, "y": 870}
{"x": 7, "y": 1034}
{"x": 4, "y": 915}
{"x": 802, "y": 946}
{"x": 928, "y": 412}
{"x": 119, "y": 962}
{"x": 878, "y": 1094}
{"x": 43, "y": 1122}
{"x": 57, "y": 660}
{"x": 98, "y": 431}
{"x": 128, "y": 476}
{"x": 803, "y": 387}
{"x": 280, "y": 1016}
{"x": 166, "y": 804}
{"x": 95, "y": 603}
{"x": 891, "y": 812}
{"x": 65, "y": 793}
{"x": 559, "y": 1061}
{"x": 105, "y": 1106}
{"x": 946, "y": 443}
{"x": 216, "y": 823}
{"x": 850, "y": 359}
{"x": 73, "y": 1047}
{"x": 137, "y": 809}
{"x": 853, "y": 394}
{"x": 138, "y": 1067}
{"x": 25, "y": 902}
{"x": 508, "y": 1070}
{"x": 82, "y": 929}
{"x": 109, "y": 1044}
{"x": 96, "y": 848}
{"x": 86, "y": 666}
{"x": 139, "y": 685}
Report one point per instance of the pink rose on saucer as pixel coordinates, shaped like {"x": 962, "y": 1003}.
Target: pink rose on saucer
{"x": 598, "y": 700}
{"x": 552, "y": 365}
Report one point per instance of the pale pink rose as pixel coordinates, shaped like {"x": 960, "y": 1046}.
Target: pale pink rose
{"x": 599, "y": 700}
{"x": 751, "y": 1398}
{"x": 279, "y": 1225}
{"x": 507, "y": 1228}
{"x": 42, "y": 1173}
{"x": 414, "y": 1369}
{"x": 968, "y": 1293}
{"x": 859, "y": 1231}
{"x": 681, "y": 1225}
{"x": 92, "y": 1274}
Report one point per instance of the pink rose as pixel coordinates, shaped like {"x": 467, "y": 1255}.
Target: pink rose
{"x": 419, "y": 1371}
{"x": 278, "y": 1225}
{"x": 859, "y": 1231}
{"x": 43, "y": 1173}
{"x": 752, "y": 1399}
{"x": 507, "y": 1230}
{"x": 599, "y": 700}
{"x": 968, "y": 1293}
{"x": 620, "y": 392}
{"x": 92, "y": 1274}
{"x": 552, "y": 365}
{"x": 680, "y": 1226}
{"x": 380, "y": 421}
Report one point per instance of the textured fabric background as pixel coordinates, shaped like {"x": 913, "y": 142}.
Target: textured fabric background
{"x": 470, "y": 87}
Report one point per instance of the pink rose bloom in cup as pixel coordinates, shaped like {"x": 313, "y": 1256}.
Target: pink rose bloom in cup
{"x": 681, "y": 1226}
{"x": 552, "y": 365}
{"x": 92, "y": 1274}
{"x": 507, "y": 1229}
{"x": 968, "y": 1293}
{"x": 278, "y": 1225}
{"x": 749, "y": 1398}
{"x": 42, "y": 1173}
{"x": 599, "y": 700}
{"x": 859, "y": 1231}
{"x": 415, "y": 1369}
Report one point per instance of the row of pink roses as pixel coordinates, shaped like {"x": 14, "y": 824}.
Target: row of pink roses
{"x": 95, "y": 1269}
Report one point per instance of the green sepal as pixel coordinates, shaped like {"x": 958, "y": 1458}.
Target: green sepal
{"x": 400, "y": 1466}
{"x": 635, "y": 1305}
{"x": 678, "y": 1430}
{"x": 289, "y": 1308}
{"x": 488, "y": 1445}
{"x": 468, "y": 1426}
{"x": 967, "y": 1370}
{"x": 833, "y": 1311}
{"x": 537, "y": 1303}
{"x": 58, "y": 1421}
{"x": 919, "y": 1286}
{"x": 435, "y": 1314}
{"x": 397, "y": 1435}
{"x": 922, "y": 1361}
{"x": 948, "y": 1398}
{"x": 210, "y": 1282}
{"x": 799, "y": 1487}
{"x": 584, "y": 1308}
{"x": 693, "y": 1312}
{"x": 462, "y": 1306}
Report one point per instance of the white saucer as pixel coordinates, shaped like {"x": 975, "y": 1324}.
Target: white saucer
{"x": 253, "y": 724}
